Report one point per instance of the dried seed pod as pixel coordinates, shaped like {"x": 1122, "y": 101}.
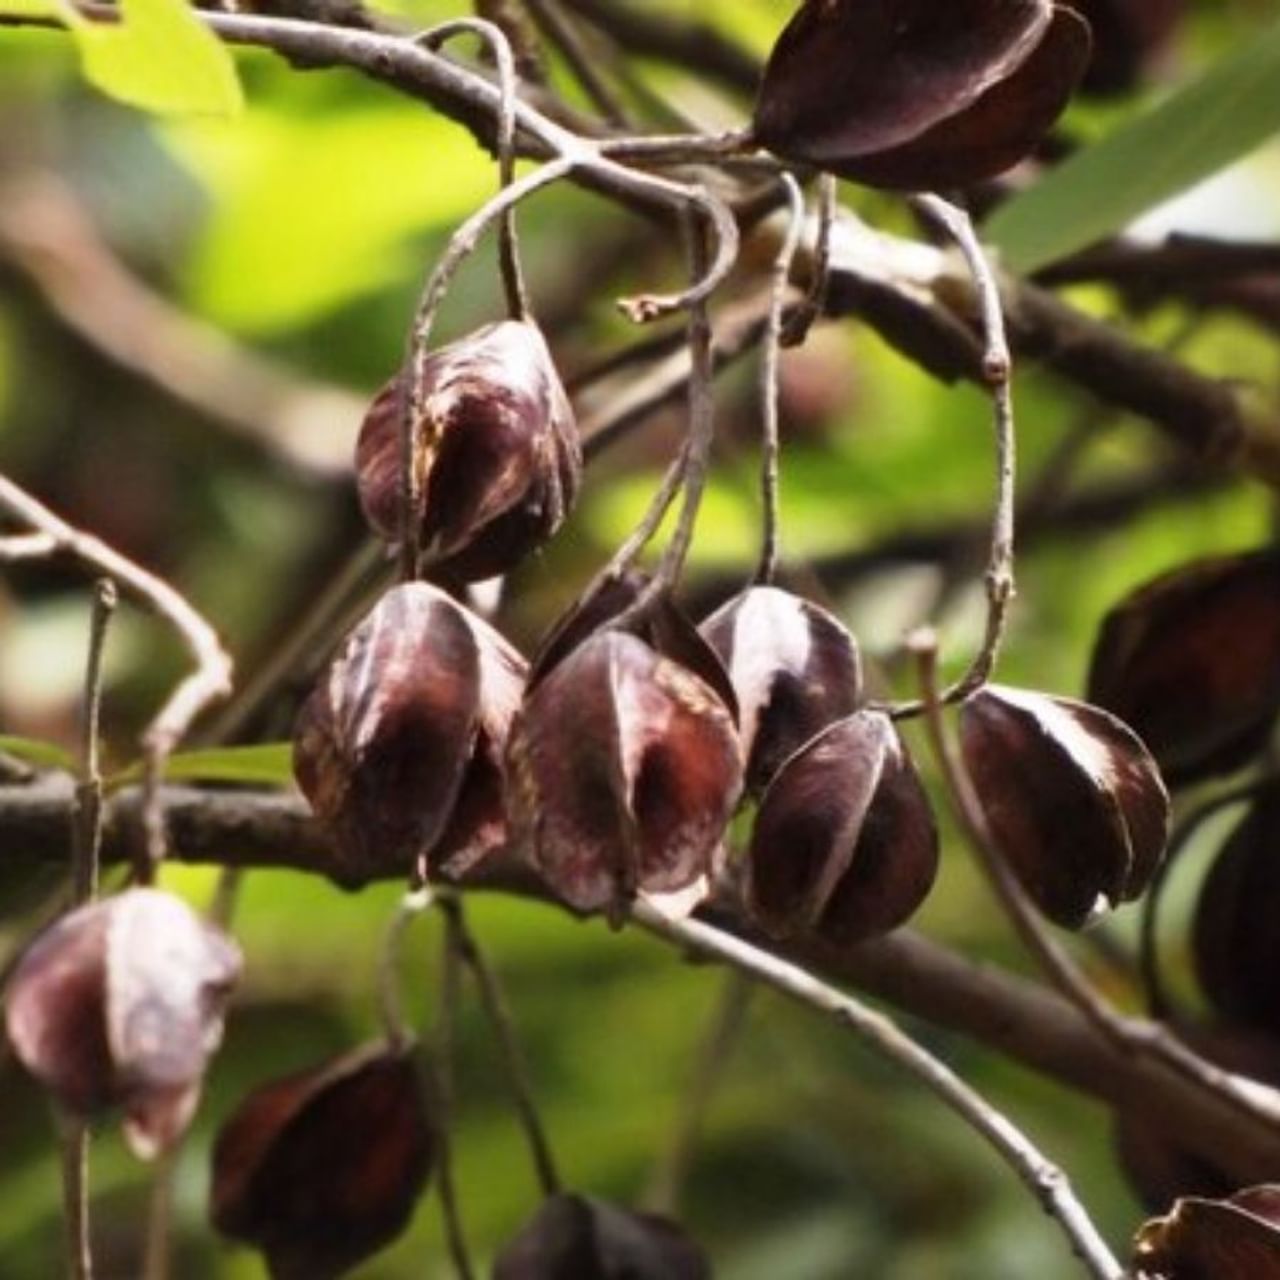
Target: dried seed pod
{"x": 120, "y": 1004}
{"x": 912, "y": 94}
{"x": 1126, "y": 35}
{"x": 1214, "y": 1239}
{"x": 844, "y": 844}
{"x": 497, "y": 463}
{"x": 663, "y": 626}
{"x": 623, "y": 770}
{"x": 1234, "y": 940}
{"x": 575, "y": 1238}
{"x": 398, "y": 748}
{"x": 1189, "y": 661}
{"x": 323, "y": 1168}
{"x": 1073, "y": 799}
{"x": 794, "y": 667}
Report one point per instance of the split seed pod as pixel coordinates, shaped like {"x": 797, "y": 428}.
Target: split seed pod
{"x": 794, "y": 667}
{"x": 623, "y": 770}
{"x": 574, "y": 1238}
{"x": 1189, "y": 660}
{"x": 1214, "y": 1239}
{"x": 844, "y": 845}
{"x": 322, "y": 1169}
{"x": 663, "y": 626}
{"x": 1235, "y": 942}
{"x": 399, "y": 746}
{"x": 120, "y": 1004}
{"x": 919, "y": 95}
{"x": 497, "y": 460}
{"x": 1073, "y": 799}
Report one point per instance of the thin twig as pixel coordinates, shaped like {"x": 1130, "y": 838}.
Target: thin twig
{"x": 769, "y": 359}
{"x": 701, "y": 430}
{"x": 395, "y": 1024}
{"x": 73, "y": 1138}
{"x": 86, "y": 847}
{"x": 801, "y": 320}
{"x": 157, "y": 1236}
{"x": 508, "y": 242}
{"x": 88, "y": 808}
{"x": 211, "y": 679}
{"x": 559, "y": 29}
{"x": 515, "y": 1067}
{"x": 1128, "y": 1034}
{"x": 1045, "y": 1180}
{"x": 717, "y": 1042}
{"x": 997, "y": 375}
{"x": 439, "y": 1068}
{"x": 27, "y": 546}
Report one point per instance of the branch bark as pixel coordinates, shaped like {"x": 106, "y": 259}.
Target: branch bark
{"x": 1008, "y": 1014}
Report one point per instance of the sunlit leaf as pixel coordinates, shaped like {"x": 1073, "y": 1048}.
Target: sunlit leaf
{"x": 311, "y": 211}
{"x": 159, "y": 57}
{"x": 1202, "y": 128}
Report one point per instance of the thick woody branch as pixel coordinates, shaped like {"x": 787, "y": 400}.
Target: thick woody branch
{"x": 1015, "y": 1017}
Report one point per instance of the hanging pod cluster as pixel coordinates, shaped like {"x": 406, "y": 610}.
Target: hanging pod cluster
{"x": 844, "y": 844}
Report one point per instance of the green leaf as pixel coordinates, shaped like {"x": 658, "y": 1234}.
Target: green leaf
{"x": 44, "y": 755}
{"x": 1202, "y": 128}
{"x": 267, "y": 764}
{"x": 159, "y": 57}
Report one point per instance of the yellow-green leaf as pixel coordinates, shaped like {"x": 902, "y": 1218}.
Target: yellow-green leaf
{"x": 43, "y": 755}
{"x": 159, "y": 57}
{"x": 268, "y": 764}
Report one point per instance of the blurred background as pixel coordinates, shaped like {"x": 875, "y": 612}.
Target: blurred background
{"x": 193, "y": 315}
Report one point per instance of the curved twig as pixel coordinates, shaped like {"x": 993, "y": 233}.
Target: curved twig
{"x": 508, "y": 243}
{"x": 1044, "y": 1179}
{"x": 770, "y": 352}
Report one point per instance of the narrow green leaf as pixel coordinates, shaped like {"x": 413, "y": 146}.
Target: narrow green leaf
{"x": 159, "y": 57}
{"x": 44, "y": 755}
{"x": 266, "y": 764}
{"x": 1200, "y": 129}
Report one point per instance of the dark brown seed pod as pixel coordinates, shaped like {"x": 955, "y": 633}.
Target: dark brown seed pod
{"x": 398, "y": 748}
{"x": 844, "y": 845}
{"x": 1189, "y": 661}
{"x": 914, "y": 95}
{"x": 1233, "y": 1239}
{"x": 323, "y": 1168}
{"x": 120, "y": 1004}
{"x": 575, "y": 1238}
{"x": 794, "y": 667}
{"x": 1127, "y": 34}
{"x": 623, "y": 769}
{"x": 1073, "y": 799}
{"x": 498, "y": 460}
{"x": 1235, "y": 942}
{"x": 663, "y": 626}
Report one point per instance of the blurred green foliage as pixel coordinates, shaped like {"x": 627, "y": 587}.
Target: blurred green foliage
{"x": 304, "y": 227}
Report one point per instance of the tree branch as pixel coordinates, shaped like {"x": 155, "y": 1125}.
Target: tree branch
{"x": 1009, "y": 1015}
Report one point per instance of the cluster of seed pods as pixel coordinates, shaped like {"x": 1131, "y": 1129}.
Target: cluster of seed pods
{"x": 611, "y": 766}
